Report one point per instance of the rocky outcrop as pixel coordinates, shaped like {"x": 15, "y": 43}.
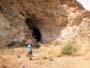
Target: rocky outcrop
{"x": 49, "y": 16}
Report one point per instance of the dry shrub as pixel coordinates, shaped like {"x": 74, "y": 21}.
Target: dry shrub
{"x": 69, "y": 48}
{"x": 59, "y": 47}
{"x": 66, "y": 47}
{"x": 76, "y": 46}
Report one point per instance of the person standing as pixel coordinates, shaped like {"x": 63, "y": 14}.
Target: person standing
{"x": 29, "y": 47}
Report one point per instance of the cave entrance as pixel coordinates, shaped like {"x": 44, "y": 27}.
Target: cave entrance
{"x": 36, "y": 34}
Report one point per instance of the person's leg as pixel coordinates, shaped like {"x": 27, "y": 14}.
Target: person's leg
{"x": 27, "y": 54}
{"x": 30, "y": 56}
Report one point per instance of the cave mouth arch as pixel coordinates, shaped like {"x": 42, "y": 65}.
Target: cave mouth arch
{"x": 36, "y": 34}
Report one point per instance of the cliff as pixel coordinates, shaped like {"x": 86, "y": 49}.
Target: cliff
{"x": 52, "y": 18}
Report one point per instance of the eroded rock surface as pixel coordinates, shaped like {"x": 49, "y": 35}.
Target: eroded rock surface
{"x": 50, "y": 17}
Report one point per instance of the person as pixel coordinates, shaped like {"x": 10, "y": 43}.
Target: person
{"x": 29, "y": 47}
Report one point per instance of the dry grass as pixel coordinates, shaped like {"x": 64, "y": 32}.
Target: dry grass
{"x": 2, "y": 61}
{"x": 65, "y": 47}
{"x": 54, "y": 51}
{"x": 69, "y": 48}
{"x": 45, "y": 55}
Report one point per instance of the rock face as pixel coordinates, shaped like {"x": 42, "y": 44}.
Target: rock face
{"x": 49, "y": 16}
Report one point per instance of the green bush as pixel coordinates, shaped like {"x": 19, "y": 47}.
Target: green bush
{"x": 69, "y": 48}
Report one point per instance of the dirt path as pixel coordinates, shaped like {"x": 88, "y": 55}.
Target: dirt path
{"x": 16, "y": 58}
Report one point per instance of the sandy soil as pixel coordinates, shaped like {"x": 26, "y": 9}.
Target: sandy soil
{"x": 16, "y": 58}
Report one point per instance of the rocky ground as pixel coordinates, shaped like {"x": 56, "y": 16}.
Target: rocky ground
{"x": 16, "y": 58}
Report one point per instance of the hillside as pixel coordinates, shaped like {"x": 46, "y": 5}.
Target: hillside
{"x": 49, "y": 16}
{"x": 60, "y": 27}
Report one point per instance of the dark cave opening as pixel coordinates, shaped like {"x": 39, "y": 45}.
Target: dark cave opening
{"x": 36, "y": 34}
